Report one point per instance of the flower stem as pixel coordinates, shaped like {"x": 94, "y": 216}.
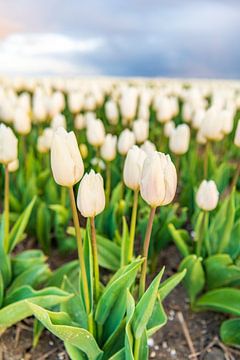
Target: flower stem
{"x": 205, "y": 160}
{"x": 95, "y": 259}
{"x": 6, "y": 208}
{"x": 235, "y": 178}
{"x": 80, "y": 250}
{"x": 133, "y": 225}
{"x": 145, "y": 252}
{"x": 201, "y": 225}
{"x": 137, "y": 344}
{"x": 108, "y": 182}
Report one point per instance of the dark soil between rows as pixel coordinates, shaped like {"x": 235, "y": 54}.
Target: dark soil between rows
{"x": 169, "y": 343}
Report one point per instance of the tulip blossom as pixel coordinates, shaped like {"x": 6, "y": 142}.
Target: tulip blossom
{"x": 58, "y": 121}
{"x": 22, "y": 121}
{"x": 212, "y": 125}
{"x": 91, "y": 196}
{"x": 237, "y": 135}
{"x": 207, "y": 195}
{"x": 13, "y": 166}
{"x": 133, "y": 167}
{"x": 111, "y": 111}
{"x": 8, "y": 145}
{"x": 108, "y": 149}
{"x": 158, "y": 180}
{"x": 148, "y": 147}
{"x": 179, "y": 139}
{"x": 140, "y": 130}
{"x": 168, "y": 128}
{"x": 95, "y": 132}
{"x": 125, "y": 141}
{"x": 79, "y": 122}
{"x": 66, "y": 161}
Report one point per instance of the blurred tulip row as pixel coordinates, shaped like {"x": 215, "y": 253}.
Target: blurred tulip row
{"x": 116, "y": 170}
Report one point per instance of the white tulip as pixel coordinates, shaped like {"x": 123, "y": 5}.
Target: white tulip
{"x": 168, "y": 128}
{"x": 66, "y": 161}
{"x": 13, "y": 166}
{"x": 200, "y": 138}
{"x": 148, "y": 147}
{"x": 41, "y": 145}
{"x": 108, "y": 149}
{"x": 22, "y": 121}
{"x": 125, "y": 141}
{"x": 211, "y": 127}
{"x": 143, "y": 112}
{"x": 207, "y": 195}
{"x": 133, "y": 167}
{"x": 237, "y": 135}
{"x": 8, "y": 145}
{"x": 95, "y": 132}
{"x": 79, "y": 122}
{"x": 128, "y": 105}
{"x": 179, "y": 139}
{"x": 58, "y": 121}
{"x": 75, "y": 101}
{"x": 140, "y": 130}
{"x": 91, "y": 195}
{"x": 187, "y": 112}
{"x": 164, "y": 110}
{"x": 198, "y": 118}
{"x": 111, "y": 111}
{"x": 159, "y": 180}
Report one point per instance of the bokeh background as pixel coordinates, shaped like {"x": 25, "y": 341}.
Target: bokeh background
{"x": 172, "y": 38}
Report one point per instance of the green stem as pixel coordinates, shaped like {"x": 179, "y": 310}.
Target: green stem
{"x": 80, "y": 250}
{"x": 201, "y": 233}
{"x": 235, "y": 178}
{"x": 142, "y": 283}
{"x": 133, "y": 226}
{"x": 6, "y": 208}
{"x": 137, "y": 344}
{"x": 108, "y": 182}
{"x": 95, "y": 259}
{"x": 206, "y": 159}
{"x": 205, "y": 232}
{"x": 63, "y": 196}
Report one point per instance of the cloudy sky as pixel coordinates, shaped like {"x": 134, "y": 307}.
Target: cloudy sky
{"x": 173, "y": 38}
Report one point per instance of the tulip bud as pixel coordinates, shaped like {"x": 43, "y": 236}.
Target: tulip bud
{"x": 237, "y": 135}
{"x": 179, "y": 139}
{"x": 187, "y": 112}
{"x": 207, "y": 195}
{"x": 75, "y": 101}
{"x": 143, "y": 112}
{"x": 148, "y": 147}
{"x": 66, "y": 161}
{"x": 41, "y": 145}
{"x": 91, "y": 195}
{"x": 111, "y": 111}
{"x": 164, "y": 110}
{"x": 133, "y": 167}
{"x": 13, "y": 166}
{"x": 79, "y": 122}
{"x": 58, "y": 121}
{"x": 22, "y": 121}
{"x": 83, "y": 150}
{"x": 159, "y": 180}
{"x": 108, "y": 149}
{"x": 8, "y": 145}
{"x": 211, "y": 127}
{"x": 140, "y": 130}
{"x": 169, "y": 128}
{"x": 200, "y": 138}
{"x": 125, "y": 141}
{"x": 95, "y": 132}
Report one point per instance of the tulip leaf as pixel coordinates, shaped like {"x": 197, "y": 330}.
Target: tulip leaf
{"x": 179, "y": 240}
{"x": 56, "y": 278}
{"x": 74, "y": 352}
{"x": 26, "y": 259}
{"x": 120, "y": 355}
{"x": 122, "y": 280}
{"x": 221, "y": 271}
{"x": 168, "y": 285}
{"x": 226, "y": 300}
{"x": 125, "y": 243}
{"x": 230, "y": 332}
{"x": 129, "y": 337}
{"x": 61, "y": 326}
{"x": 194, "y": 279}
{"x": 18, "y": 229}
{"x": 16, "y": 308}
{"x": 43, "y": 226}
{"x": 145, "y": 306}
{"x": 1, "y": 289}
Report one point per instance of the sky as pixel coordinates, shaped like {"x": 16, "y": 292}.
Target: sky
{"x": 170, "y": 38}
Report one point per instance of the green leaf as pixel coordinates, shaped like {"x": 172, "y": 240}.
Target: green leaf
{"x": 168, "y": 285}
{"x": 122, "y": 280}
{"x": 16, "y": 308}
{"x": 233, "y": 248}
{"x": 129, "y": 337}
{"x": 158, "y": 318}
{"x": 125, "y": 243}
{"x": 145, "y": 307}
{"x": 20, "y": 226}
{"x": 74, "y": 352}
{"x": 1, "y": 289}
{"x": 26, "y": 259}
{"x": 56, "y": 277}
{"x": 37, "y": 331}
{"x": 226, "y": 300}
{"x": 194, "y": 279}
{"x": 58, "y": 324}
{"x": 179, "y": 240}
{"x": 33, "y": 277}
{"x": 88, "y": 257}
{"x": 221, "y": 271}
{"x": 230, "y": 332}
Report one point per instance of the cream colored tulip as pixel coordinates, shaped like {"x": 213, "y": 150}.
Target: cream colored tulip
{"x": 91, "y": 195}
{"x": 212, "y": 125}
{"x": 125, "y": 141}
{"x": 79, "y": 122}
{"x": 237, "y": 135}
{"x": 95, "y": 132}
{"x": 66, "y": 161}
{"x": 8, "y": 145}
{"x": 140, "y": 130}
{"x": 111, "y": 111}
{"x": 148, "y": 147}
{"x": 133, "y": 165}
{"x": 58, "y": 121}
{"x": 22, "y": 121}
{"x": 159, "y": 180}
{"x": 179, "y": 139}
{"x": 108, "y": 149}
{"x": 168, "y": 128}
{"x": 13, "y": 166}
{"x": 207, "y": 195}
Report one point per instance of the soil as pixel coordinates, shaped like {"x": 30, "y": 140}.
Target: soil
{"x": 168, "y": 344}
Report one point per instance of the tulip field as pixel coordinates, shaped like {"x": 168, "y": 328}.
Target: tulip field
{"x": 119, "y": 219}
